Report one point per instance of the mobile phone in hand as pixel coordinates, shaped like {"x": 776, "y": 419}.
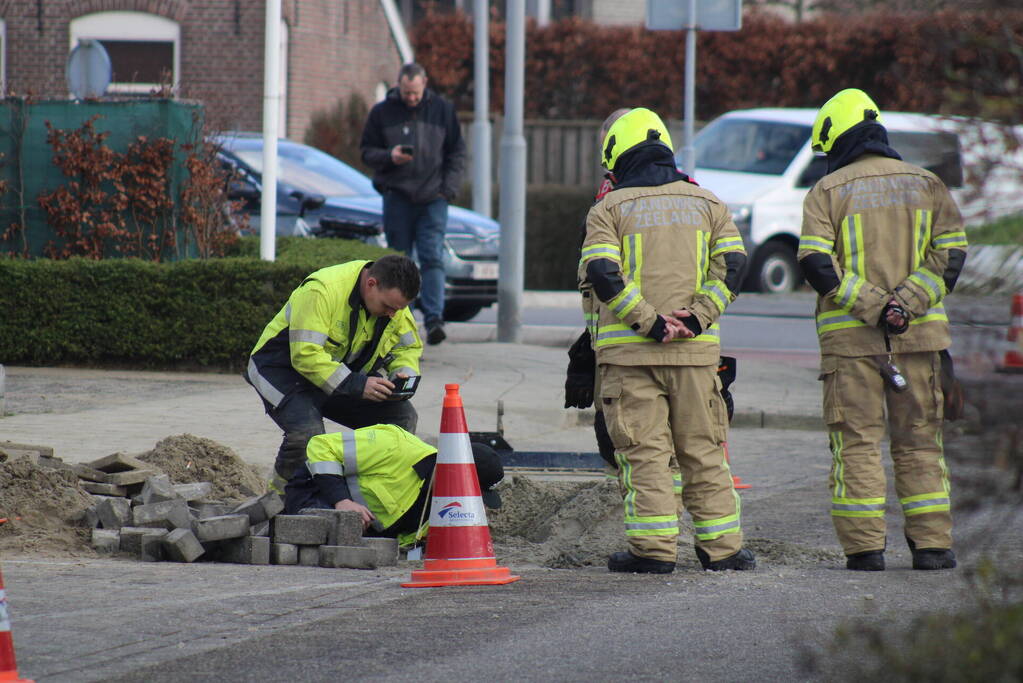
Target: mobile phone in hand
{"x": 407, "y": 149}
{"x": 404, "y": 388}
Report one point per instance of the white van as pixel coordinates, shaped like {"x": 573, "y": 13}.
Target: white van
{"x": 760, "y": 163}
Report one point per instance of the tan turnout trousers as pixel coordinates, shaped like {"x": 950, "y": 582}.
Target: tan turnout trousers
{"x": 660, "y": 414}
{"x": 856, "y": 399}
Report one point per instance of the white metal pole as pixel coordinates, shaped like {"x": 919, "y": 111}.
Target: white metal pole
{"x": 513, "y": 178}
{"x": 688, "y": 151}
{"x": 271, "y": 112}
{"x": 481, "y": 101}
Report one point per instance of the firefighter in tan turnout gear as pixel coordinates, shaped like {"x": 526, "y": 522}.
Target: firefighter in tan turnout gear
{"x": 663, "y": 259}
{"x": 882, "y": 243}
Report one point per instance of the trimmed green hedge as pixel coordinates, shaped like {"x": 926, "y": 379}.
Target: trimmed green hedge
{"x": 128, "y": 312}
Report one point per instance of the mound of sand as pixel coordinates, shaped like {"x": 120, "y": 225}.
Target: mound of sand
{"x": 560, "y": 525}
{"x": 51, "y": 505}
{"x": 186, "y": 459}
{"x": 43, "y": 508}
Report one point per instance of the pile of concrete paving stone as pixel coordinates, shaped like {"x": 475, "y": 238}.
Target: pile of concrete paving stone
{"x": 140, "y": 512}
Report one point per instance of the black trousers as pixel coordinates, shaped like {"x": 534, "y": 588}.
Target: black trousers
{"x": 300, "y": 416}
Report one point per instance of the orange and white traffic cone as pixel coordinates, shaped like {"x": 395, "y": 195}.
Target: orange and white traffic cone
{"x": 8, "y": 666}
{"x": 1014, "y": 356}
{"x": 459, "y": 551}
{"x": 736, "y": 481}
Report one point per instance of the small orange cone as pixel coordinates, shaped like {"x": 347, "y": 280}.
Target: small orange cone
{"x": 736, "y": 481}
{"x": 8, "y": 666}
{"x": 459, "y": 551}
{"x": 1014, "y": 357}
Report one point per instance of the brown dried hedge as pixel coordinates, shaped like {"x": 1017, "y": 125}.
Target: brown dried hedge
{"x": 948, "y": 62}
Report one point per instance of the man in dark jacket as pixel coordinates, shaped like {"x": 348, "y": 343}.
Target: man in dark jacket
{"x": 413, "y": 142}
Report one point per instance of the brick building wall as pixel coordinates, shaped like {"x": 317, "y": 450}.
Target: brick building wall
{"x": 335, "y": 47}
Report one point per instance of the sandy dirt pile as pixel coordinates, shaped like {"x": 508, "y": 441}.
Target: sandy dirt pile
{"x": 50, "y": 505}
{"x": 187, "y": 459}
{"x": 561, "y": 525}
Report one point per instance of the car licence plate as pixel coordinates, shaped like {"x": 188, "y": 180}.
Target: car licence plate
{"x": 485, "y": 271}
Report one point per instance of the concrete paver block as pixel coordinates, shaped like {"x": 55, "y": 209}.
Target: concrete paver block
{"x": 206, "y": 509}
{"x": 10, "y": 447}
{"x": 273, "y": 504}
{"x": 221, "y": 528}
{"x": 348, "y": 557}
{"x": 386, "y": 550}
{"x": 247, "y": 550}
{"x": 119, "y": 462}
{"x": 309, "y": 555}
{"x": 345, "y": 525}
{"x": 253, "y": 507}
{"x": 86, "y": 472}
{"x": 144, "y": 543}
{"x": 261, "y": 529}
{"x": 156, "y": 489}
{"x": 168, "y": 514}
{"x": 114, "y": 512}
{"x": 285, "y": 553}
{"x": 181, "y": 545}
{"x": 300, "y": 529}
{"x": 130, "y": 477}
{"x": 96, "y": 488}
{"x": 193, "y": 491}
{"x": 89, "y": 517}
{"x": 106, "y": 540}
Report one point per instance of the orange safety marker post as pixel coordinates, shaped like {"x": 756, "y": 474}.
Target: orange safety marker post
{"x": 459, "y": 550}
{"x": 736, "y": 481}
{"x": 8, "y": 666}
{"x": 1014, "y": 357}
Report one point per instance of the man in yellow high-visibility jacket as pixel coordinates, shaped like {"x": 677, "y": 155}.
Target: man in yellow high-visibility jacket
{"x": 334, "y": 350}
{"x": 383, "y": 473}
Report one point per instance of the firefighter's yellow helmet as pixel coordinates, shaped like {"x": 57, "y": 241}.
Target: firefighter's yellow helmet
{"x": 639, "y": 126}
{"x": 845, "y": 110}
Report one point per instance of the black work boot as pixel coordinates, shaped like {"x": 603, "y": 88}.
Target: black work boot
{"x": 931, "y": 558}
{"x": 435, "y": 333}
{"x": 627, "y": 562}
{"x": 934, "y": 558}
{"x": 869, "y": 561}
{"x": 740, "y": 561}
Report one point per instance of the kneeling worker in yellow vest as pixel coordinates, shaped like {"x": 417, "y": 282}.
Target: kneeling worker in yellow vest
{"x": 383, "y": 473}
{"x": 664, "y": 259}
{"x": 338, "y": 349}
{"x": 882, "y": 243}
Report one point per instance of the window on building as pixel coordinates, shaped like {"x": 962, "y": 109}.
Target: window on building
{"x": 144, "y": 49}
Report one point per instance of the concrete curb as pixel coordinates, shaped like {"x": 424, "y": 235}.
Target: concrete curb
{"x": 558, "y": 336}
{"x": 758, "y": 419}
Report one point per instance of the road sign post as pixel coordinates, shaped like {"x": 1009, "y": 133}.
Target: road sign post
{"x": 693, "y": 16}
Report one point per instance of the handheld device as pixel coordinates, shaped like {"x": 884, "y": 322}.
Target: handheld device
{"x": 407, "y": 149}
{"x": 404, "y": 388}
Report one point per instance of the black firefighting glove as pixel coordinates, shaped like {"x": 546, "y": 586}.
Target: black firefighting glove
{"x": 582, "y": 373}
{"x": 893, "y": 329}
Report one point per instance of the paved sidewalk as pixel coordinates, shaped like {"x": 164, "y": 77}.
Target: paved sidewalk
{"x": 86, "y": 414}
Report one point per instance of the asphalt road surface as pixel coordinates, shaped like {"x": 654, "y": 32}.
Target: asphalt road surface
{"x": 121, "y": 620}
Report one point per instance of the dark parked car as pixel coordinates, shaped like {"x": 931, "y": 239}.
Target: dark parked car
{"x": 321, "y": 196}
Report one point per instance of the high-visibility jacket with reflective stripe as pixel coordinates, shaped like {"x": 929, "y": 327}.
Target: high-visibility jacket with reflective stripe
{"x": 888, "y": 227}
{"x": 669, "y": 244}
{"x": 376, "y": 463}
{"x": 312, "y": 335}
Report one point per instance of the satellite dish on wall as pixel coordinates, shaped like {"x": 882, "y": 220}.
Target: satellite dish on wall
{"x": 88, "y": 69}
